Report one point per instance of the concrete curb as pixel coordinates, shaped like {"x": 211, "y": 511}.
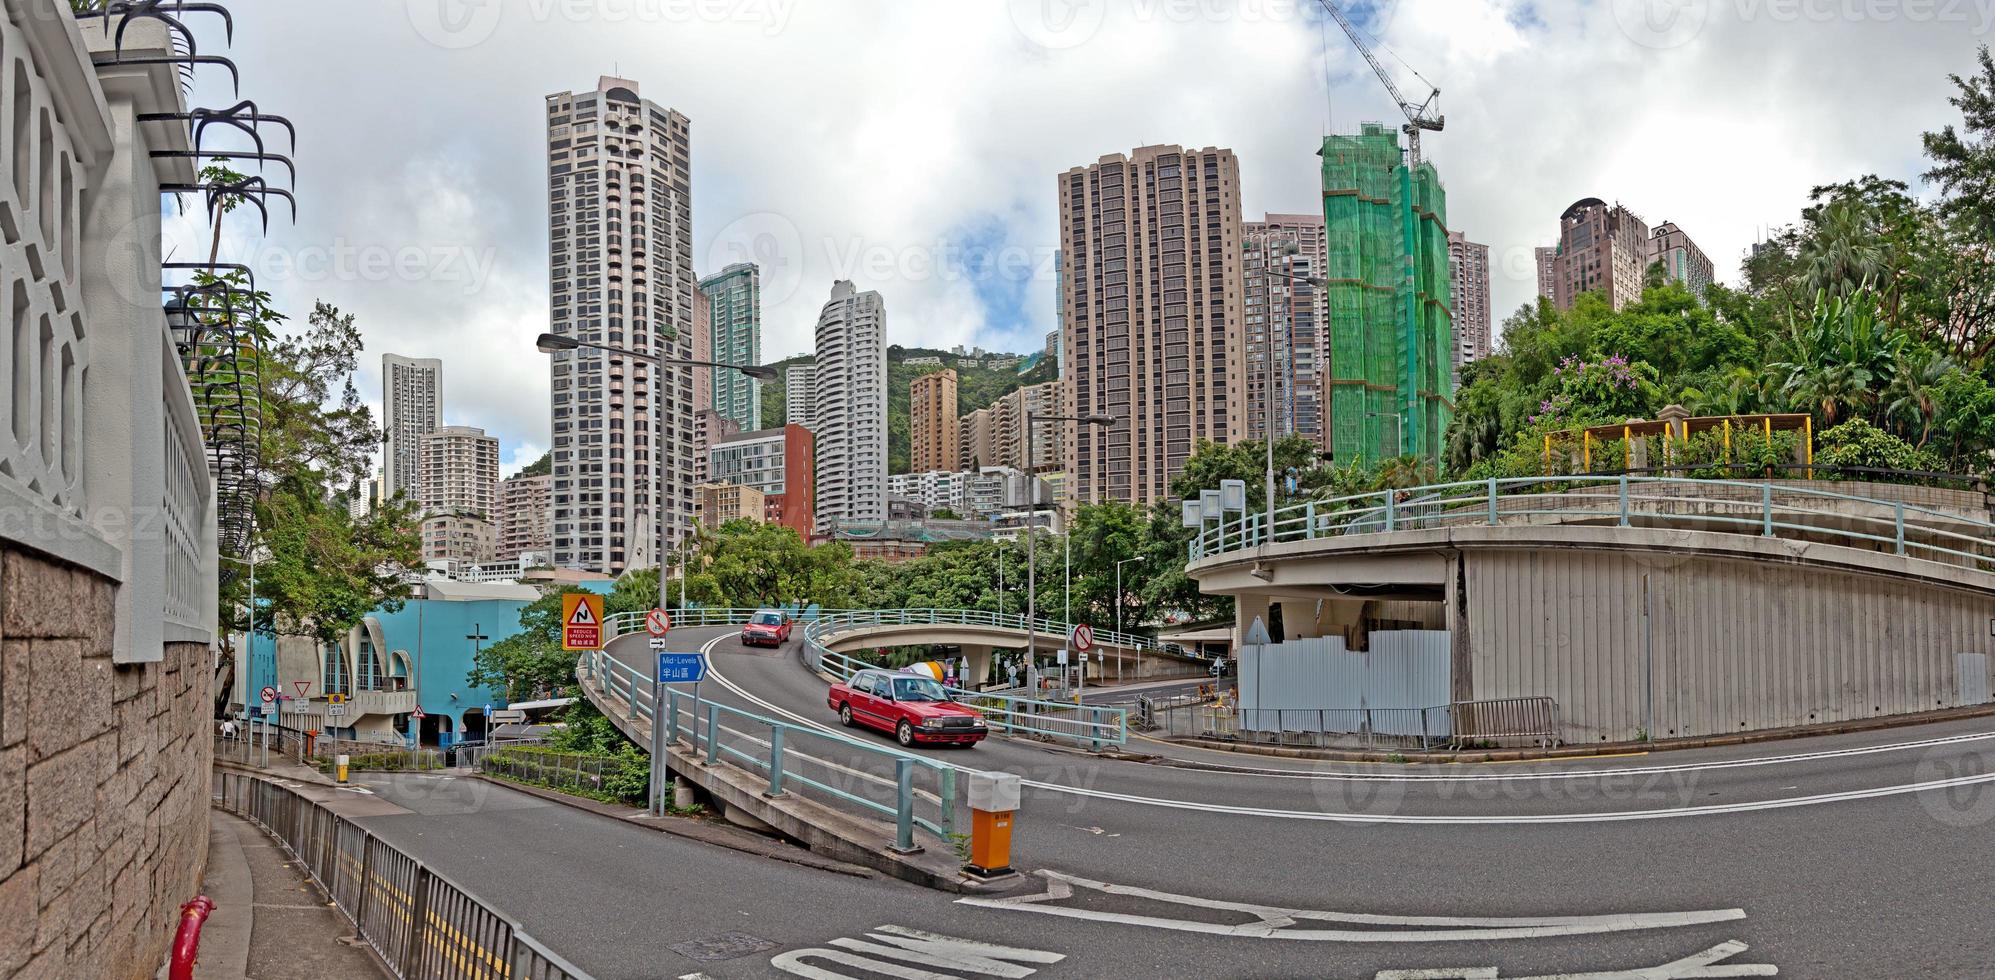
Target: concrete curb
{"x": 747, "y": 842}
{"x": 1473, "y": 756}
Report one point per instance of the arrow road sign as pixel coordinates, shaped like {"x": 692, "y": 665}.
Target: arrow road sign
{"x": 681, "y": 668}
{"x": 658, "y": 622}
{"x": 1082, "y": 637}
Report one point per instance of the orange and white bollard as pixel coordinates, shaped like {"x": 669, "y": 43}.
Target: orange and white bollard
{"x": 993, "y": 801}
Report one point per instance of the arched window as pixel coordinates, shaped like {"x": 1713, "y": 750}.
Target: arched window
{"x": 333, "y": 677}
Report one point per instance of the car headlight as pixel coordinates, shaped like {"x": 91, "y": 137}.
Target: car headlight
{"x": 977, "y": 723}
{"x": 931, "y": 723}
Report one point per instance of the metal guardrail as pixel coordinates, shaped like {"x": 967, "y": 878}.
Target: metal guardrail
{"x": 1082, "y": 724}
{"x": 1094, "y": 727}
{"x": 420, "y": 923}
{"x": 1768, "y": 509}
{"x": 915, "y": 794}
{"x": 1459, "y": 726}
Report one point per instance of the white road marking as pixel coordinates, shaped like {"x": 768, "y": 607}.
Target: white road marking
{"x": 1698, "y": 965}
{"x": 961, "y": 957}
{"x": 1274, "y": 922}
{"x": 1497, "y": 819}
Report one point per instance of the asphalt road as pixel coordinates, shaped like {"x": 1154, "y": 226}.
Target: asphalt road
{"x": 1811, "y": 853}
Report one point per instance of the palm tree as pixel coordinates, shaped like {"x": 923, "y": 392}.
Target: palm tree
{"x": 1844, "y": 255}
{"x": 1912, "y": 396}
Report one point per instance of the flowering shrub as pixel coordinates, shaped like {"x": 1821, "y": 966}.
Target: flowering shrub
{"x": 1591, "y": 392}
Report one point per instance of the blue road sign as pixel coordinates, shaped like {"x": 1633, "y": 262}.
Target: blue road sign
{"x": 681, "y": 668}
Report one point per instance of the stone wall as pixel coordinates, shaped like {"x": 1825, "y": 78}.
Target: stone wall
{"x": 103, "y": 780}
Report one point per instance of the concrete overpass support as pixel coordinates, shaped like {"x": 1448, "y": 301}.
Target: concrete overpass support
{"x": 1640, "y": 632}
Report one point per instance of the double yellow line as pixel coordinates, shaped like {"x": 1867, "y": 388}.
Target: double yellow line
{"x": 461, "y": 950}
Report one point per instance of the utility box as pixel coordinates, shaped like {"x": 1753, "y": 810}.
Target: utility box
{"x": 993, "y": 801}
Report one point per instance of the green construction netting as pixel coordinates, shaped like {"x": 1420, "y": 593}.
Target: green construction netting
{"x": 1391, "y": 342}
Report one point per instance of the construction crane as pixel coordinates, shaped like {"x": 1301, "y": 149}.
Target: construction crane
{"x": 1424, "y": 116}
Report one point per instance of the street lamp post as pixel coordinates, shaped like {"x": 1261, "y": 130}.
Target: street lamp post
{"x": 1029, "y": 421}
{"x": 1268, "y": 391}
{"x": 550, "y": 343}
{"x": 1118, "y": 622}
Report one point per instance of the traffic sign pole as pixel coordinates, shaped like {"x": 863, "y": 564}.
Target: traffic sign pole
{"x": 659, "y": 772}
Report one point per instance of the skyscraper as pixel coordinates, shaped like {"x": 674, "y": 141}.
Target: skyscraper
{"x": 526, "y": 516}
{"x": 1285, "y": 318}
{"x": 1601, "y": 248}
{"x": 1469, "y": 263}
{"x": 976, "y": 443}
{"x": 411, "y": 406}
{"x": 1681, "y": 259}
{"x": 849, "y": 406}
{"x": 934, "y": 436}
{"x": 1151, "y": 314}
{"x": 800, "y": 394}
{"x": 459, "y": 467}
{"x": 1391, "y": 343}
{"x": 1548, "y": 273}
{"x": 735, "y": 330}
{"x": 620, "y": 225}
{"x": 1007, "y": 435}
{"x": 459, "y": 490}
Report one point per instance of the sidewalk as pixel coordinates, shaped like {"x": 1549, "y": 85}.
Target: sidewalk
{"x": 270, "y": 921}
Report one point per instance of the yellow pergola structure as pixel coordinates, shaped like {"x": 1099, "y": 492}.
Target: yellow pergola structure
{"x": 1680, "y": 431}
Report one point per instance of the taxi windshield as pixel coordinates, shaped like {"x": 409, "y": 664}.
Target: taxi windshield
{"x": 766, "y": 619}
{"x": 918, "y": 689}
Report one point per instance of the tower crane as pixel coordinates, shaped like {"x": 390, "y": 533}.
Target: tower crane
{"x": 1424, "y": 116}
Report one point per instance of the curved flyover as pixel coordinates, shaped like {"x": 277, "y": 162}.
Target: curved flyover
{"x": 1641, "y": 607}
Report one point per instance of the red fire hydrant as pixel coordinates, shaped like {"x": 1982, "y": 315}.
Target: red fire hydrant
{"x": 187, "y": 942}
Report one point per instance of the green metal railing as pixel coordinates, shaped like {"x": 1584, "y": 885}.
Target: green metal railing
{"x": 916, "y": 794}
{"x": 1767, "y": 509}
{"x": 1095, "y": 728}
{"x": 1064, "y": 721}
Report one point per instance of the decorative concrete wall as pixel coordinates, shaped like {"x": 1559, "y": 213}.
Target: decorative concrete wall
{"x": 103, "y": 780}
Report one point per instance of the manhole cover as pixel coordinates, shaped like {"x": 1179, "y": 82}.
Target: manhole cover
{"x": 725, "y": 946}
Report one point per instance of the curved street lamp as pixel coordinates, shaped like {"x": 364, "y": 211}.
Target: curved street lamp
{"x": 553, "y": 343}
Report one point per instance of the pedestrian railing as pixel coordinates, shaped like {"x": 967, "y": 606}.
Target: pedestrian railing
{"x": 1768, "y": 509}
{"x": 917, "y": 795}
{"x": 420, "y": 923}
{"x": 1071, "y": 722}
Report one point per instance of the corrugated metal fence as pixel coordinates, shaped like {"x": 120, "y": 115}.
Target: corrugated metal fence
{"x": 1318, "y": 685}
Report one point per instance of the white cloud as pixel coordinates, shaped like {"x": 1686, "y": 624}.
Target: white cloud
{"x": 868, "y": 133}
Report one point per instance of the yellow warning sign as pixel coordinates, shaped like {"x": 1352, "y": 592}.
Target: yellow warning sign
{"x": 581, "y": 621}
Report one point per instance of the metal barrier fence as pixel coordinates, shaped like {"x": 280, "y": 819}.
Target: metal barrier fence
{"x": 1094, "y": 727}
{"x": 1767, "y": 509}
{"x": 1462, "y": 725}
{"x": 557, "y": 770}
{"x": 422, "y": 925}
{"x": 1007, "y": 714}
{"x": 1507, "y": 719}
{"x": 1061, "y": 721}
{"x": 915, "y": 794}
{"x": 253, "y": 746}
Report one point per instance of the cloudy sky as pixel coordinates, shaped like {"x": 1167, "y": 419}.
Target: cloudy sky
{"x": 912, "y": 145}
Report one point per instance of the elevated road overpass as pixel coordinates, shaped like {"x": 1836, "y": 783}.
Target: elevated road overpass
{"x": 1642, "y": 608}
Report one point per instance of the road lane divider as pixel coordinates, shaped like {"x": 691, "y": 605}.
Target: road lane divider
{"x": 1275, "y": 922}
{"x": 1719, "y": 809}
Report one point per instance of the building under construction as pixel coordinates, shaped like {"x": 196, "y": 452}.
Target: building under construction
{"x": 1387, "y": 380}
